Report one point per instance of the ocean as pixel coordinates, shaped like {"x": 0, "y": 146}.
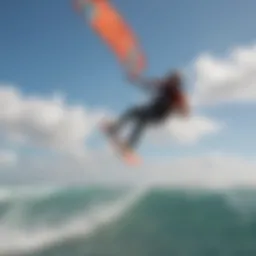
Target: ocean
{"x": 103, "y": 221}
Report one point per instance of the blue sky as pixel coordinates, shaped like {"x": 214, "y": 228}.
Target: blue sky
{"x": 47, "y": 47}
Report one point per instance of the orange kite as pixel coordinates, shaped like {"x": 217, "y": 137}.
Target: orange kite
{"x": 114, "y": 31}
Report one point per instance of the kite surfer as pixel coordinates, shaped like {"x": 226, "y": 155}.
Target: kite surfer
{"x": 169, "y": 97}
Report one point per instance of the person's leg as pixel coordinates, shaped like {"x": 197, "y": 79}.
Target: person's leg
{"x": 130, "y": 115}
{"x": 141, "y": 117}
{"x": 154, "y": 113}
{"x": 134, "y": 136}
{"x": 146, "y": 116}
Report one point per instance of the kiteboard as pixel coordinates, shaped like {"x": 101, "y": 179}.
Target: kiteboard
{"x": 128, "y": 156}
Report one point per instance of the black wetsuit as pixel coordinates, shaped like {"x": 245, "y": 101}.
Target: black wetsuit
{"x": 154, "y": 112}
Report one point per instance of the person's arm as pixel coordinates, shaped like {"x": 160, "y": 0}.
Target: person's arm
{"x": 148, "y": 84}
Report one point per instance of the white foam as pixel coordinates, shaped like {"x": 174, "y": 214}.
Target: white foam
{"x": 16, "y": 240}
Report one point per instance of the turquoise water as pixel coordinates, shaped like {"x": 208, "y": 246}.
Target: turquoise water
{"x": 113, "y": 222}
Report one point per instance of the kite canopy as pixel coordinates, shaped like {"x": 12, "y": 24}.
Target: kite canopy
{"x": 114, "y": 31}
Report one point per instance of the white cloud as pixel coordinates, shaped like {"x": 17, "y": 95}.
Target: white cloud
{"x": 53, "y": 124}
{"x": 185, "y": 130}
{"x": 231, "y": 78}
{"x": 49, "y": 123}
{"x": 193, "y": 129}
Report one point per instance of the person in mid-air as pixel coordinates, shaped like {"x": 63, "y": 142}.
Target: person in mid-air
{"x": 169, "y": 98}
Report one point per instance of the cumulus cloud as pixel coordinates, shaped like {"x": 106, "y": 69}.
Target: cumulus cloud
{"x": 186, "y": 130}
{"x": 226, "y": 79}
{"x": 193, "y": 129}
{"x": 53, "y": 124}
{"x": 49, "y": 123}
